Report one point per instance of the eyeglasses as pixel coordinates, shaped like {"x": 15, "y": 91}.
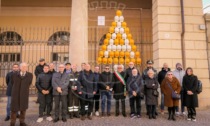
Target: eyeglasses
{"x": 106, "y": 68}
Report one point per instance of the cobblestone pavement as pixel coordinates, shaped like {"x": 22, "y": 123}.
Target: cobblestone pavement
{"x": 203, "y": 119}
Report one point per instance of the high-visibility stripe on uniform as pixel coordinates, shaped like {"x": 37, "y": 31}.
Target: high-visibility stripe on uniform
{"x": 75, "y": 110}
{"x": 86, "y": 107}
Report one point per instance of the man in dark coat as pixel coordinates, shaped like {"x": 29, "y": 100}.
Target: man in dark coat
{"x": 135, "y": 90}
{"x": 73, "y": 98}
{"x": 161, "y": 76}
{"x": 97, "y": 95}
{"x": 15, "y": 69}
{"x": 119, "y": 88}
{"x": 87, "y": 90}
{"x": 60, "y": 83}
{"x": 128, "y": 71}
{"x": 38, "y": 70}
{"x": 105, "y": 86}
{"x": 52, "y": 68}
{"x": 21, "y": 82}
{"x": 44, "y": 86}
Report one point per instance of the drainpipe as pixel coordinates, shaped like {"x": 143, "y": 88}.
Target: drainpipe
{"x": 207, "y": 42}
{"x": 182, "y": 35}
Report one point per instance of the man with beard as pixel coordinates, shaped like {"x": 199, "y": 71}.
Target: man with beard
{"x": 21, "y": 82}
{"x": 38, "y": 70}
{"x": 73, "y": 98}
{"x": 15, "y": 69}
{"x": 161, "y": 76}
{"x": 119, "y": 88}
{"x": 86, "y": 90}
{"x": 179, "y": 74}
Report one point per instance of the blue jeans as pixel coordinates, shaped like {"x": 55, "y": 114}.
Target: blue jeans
{"x": 106, "y": 96}
{"x": 162, "y": 102}
{"x": 182, "y": 106}
{"x": 8, "y": 105}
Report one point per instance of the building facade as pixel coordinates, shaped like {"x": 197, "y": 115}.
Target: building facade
{"x": 68, "y": 30}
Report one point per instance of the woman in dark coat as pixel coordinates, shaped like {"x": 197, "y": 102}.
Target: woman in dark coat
{"x": 170, "y": 82}
{"x": 190, "y": 95}
{"x": 119, "y": 88}
{"x": 151, "y": 85}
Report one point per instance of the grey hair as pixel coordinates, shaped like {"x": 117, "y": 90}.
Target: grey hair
{"x": 23, "y": 64}
{"x": 150, "y": 70}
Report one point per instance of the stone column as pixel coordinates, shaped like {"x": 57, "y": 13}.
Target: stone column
{"x": 78, "y": 51}
{"x": 167, "y": 30}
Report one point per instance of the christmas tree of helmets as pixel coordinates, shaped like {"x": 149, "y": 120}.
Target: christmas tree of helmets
{"x": 118, "y": 46}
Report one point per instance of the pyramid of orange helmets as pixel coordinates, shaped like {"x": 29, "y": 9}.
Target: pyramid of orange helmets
{"x": 118, "y": 46}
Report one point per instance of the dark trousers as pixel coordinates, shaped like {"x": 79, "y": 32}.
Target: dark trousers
{"x": 135, "y": 109}
{"x": 96, "y": 101}
{"x": 117, "y": 106}
{"x": 191, "y": 112}
{"x": 73, "y": 103}
{"x": 171, "y": 111}
{"x": 151, "y": 110}
{"x": 63, "y": 100}
{"x": 86, "y": 105}
{"x": 14, "y": 116}
{"x": 182, "y": 105}
{"x": 45, "y": 104}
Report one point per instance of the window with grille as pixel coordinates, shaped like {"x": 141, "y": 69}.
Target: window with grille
{"x": 59, "y": 38}
{"x": 10, "y": 38}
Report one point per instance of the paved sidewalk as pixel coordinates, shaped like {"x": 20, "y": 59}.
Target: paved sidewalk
{"x": 203, "y": 119}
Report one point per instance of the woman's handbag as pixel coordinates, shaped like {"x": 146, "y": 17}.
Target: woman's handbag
{"x": 155, "y": 93}
{"x": 173, "y": 94}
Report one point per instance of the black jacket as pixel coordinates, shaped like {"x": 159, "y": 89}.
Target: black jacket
{"x": 86, "y": 84}
{"x": 105, "y": 79}
{"x": 38, "y": 70}
{"x": 190, "y": 83}
{"x": 96, "y": 75}
{"x": 118, "y": 87}
{"x": 162, "y": 74}
{"x": 8, "y": 82}
{"x": 73, "y": 78}
{"x": 44, "y": 82}
{"x": 135, "y": 84}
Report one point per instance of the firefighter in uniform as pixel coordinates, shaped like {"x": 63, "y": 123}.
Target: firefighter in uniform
{"x": 73, "y": 98}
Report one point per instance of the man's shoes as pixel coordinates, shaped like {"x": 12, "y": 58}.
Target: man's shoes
{"x": 97, "y": 113}
{"x": 138, "y": 116}
{"x": 49, "y": 118}
{"x": 153, "y": 116}
{"x": 7, "y": 118}
{"x": 124, "y": 115}
{"x": 133, "y": 116}
{"x": 12, "y": 124}
{"x": 116, "y": 114}
{"x": 102, "y": 114}
{"x": 23, "y": 124}
{"x": 108, "y": 114}
{"x": 40, "y": 119}
{"x": 55, "y": 120}
{"x": 89, "y": 117}
{"x": 82, "y": 117}
{"x": 150, "y": 116}
{"x": 70, "y": 116}
{"x": 64, "y": 119}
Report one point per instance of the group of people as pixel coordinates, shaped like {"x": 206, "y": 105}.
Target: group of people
{"x": 79, "y": 91}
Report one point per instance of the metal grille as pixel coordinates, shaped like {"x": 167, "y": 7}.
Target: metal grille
{"x": 30, "y": 44}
